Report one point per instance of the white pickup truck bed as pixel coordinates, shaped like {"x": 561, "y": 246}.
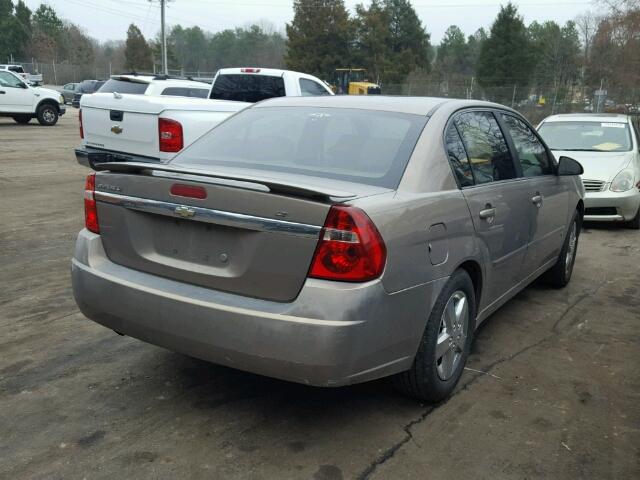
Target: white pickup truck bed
{"x": 128, "y": 124}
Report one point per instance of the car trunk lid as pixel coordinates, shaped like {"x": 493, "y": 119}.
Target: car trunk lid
{"x": 246, "y": 237}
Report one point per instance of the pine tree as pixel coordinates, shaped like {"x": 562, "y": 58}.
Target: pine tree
{"x": 409, "y": 40}
{"x": 319, "y": 37}
{"x": 372, "y": 40}
{"x": 505, "y": 58}
{"x": 452, "y": 58}
{"x": 23, "y": 28}
{"x": 137, "y": 52}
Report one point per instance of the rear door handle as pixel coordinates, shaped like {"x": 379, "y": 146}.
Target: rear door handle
{"x": 2, "y": 92}
{"x": 487, "y": 213}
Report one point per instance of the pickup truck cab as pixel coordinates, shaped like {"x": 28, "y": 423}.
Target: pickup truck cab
{"x": 257, "y": 84}
{"x": 33, "y": 78}
{"x": 22, "y": 102}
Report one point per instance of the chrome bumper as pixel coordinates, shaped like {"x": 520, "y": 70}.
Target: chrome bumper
{"x": 625, "y": 203}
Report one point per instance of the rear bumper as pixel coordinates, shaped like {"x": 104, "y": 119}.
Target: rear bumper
{"x": 609, "y": 206}
{"x": 333, "y": 333}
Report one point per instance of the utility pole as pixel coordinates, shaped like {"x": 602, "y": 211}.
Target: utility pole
{"x": 165, "y": 67}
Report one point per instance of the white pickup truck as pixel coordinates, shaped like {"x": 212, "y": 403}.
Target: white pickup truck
{"x": 22, "y": 101}
{"x": 150, "y": 126}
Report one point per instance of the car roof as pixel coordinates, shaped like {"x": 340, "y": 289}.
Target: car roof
{"x": 400, "y": 104}
{"x": 588, "y": 117}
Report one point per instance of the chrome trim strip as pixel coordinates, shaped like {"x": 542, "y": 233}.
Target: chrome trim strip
{"x": 208, "y": 215}
{"x": 603, "y": 218}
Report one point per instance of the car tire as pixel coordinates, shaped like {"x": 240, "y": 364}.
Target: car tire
{"x": 47, "y": 115}
{"x": 22, "y": 119}
{"x": 559, "y": 275}
{"x": 634, "y": 223}
{"x": 434, "y": 375}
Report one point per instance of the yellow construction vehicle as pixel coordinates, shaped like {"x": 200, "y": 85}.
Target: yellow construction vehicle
{"x": 353, "y": 81}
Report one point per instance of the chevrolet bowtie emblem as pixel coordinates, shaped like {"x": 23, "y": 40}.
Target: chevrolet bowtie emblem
{"x": 116, "y": 129}
{"x": 185, "y": 212}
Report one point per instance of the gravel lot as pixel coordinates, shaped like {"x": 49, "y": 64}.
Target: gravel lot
{"x": 559, "y": 397}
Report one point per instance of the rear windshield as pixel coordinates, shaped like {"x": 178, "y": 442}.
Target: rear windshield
{"x": 89, "y": 86}
{"x": 186, "y": 92}
{"x": 247, "y": 88}
{"x": 123, "y": 86}
{"x": 587, "y": 136}
{"x": 364, "y": 146}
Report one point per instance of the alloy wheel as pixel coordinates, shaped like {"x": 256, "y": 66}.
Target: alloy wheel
{"x": 452, "y": 335}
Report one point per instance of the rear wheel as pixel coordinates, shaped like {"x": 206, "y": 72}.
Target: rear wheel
{"x": 445, "y": 344}
{"x": 47, "y": 115}
{"x": 560, "y": 274}
{"x": 22, "y": 119}
{"x": 635, "y": 222}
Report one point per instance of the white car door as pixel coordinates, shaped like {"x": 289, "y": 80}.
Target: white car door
{"x": 15, "y": 95}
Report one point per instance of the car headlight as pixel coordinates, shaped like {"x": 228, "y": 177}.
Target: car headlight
{"x": 61, "y": 99}
{"x": 623, "y": 181}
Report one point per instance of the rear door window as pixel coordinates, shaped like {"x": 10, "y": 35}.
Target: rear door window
{"x": 247, "y": 87}
{"x": 486, "y": 147}
{"x": 186, "y": 92}
{"x": 309, "y": 88}
{"x": 458, "y": 158}
{"x": 530, "y": 152}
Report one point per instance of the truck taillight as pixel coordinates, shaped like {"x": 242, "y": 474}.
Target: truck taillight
{"x": 250, "y": 70}
{"x": 350, "y": 248}
{"x": 90, "y": 209}
{"x": 80, "y": 119}
{"x": 170, "y": 135}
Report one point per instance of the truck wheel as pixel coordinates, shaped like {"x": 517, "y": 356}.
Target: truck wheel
{"x": 23, "y": 119}
{"x": 559, "y": 275}
{"x": 635, "y": 222}
{"x": 445, "y": 344}
{"x": 47, "y": 115}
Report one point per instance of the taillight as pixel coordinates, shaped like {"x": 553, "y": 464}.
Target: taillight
{"x": 81, "y": 129}
{"x": 90, "y": 209}
{"x": 350, "y": 248}
{"x": 170, "y": 135}
{"x": 250, "y": 70}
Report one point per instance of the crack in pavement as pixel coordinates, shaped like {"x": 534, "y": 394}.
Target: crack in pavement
{"x": 391, "y": 451}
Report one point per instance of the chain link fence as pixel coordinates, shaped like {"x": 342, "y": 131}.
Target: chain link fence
{"x": 536, "y": 103}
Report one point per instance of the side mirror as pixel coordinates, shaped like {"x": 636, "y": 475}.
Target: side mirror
{"x": 568, "y": 166}
{"x": 24, "y": 85}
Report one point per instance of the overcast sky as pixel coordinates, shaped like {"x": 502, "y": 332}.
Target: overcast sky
{"x": 109, "y": 19}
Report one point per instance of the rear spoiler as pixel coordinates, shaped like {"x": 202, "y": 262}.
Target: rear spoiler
{"x": 274, "y": 185}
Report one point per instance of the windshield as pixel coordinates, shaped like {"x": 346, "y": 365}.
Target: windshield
{"x": 123, "y": 86}
{"x": 364, "y": 146}
{"x": 587, "y": 136}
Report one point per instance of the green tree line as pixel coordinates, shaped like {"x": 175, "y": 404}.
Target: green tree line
{"x": 384, "y": 36}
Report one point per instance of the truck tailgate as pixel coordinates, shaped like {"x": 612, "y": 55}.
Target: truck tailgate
{"x": 129, "y": 123}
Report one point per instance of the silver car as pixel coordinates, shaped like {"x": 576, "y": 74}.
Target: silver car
{"x": 330, "y": 240}
{"x": 608, "y": 147}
